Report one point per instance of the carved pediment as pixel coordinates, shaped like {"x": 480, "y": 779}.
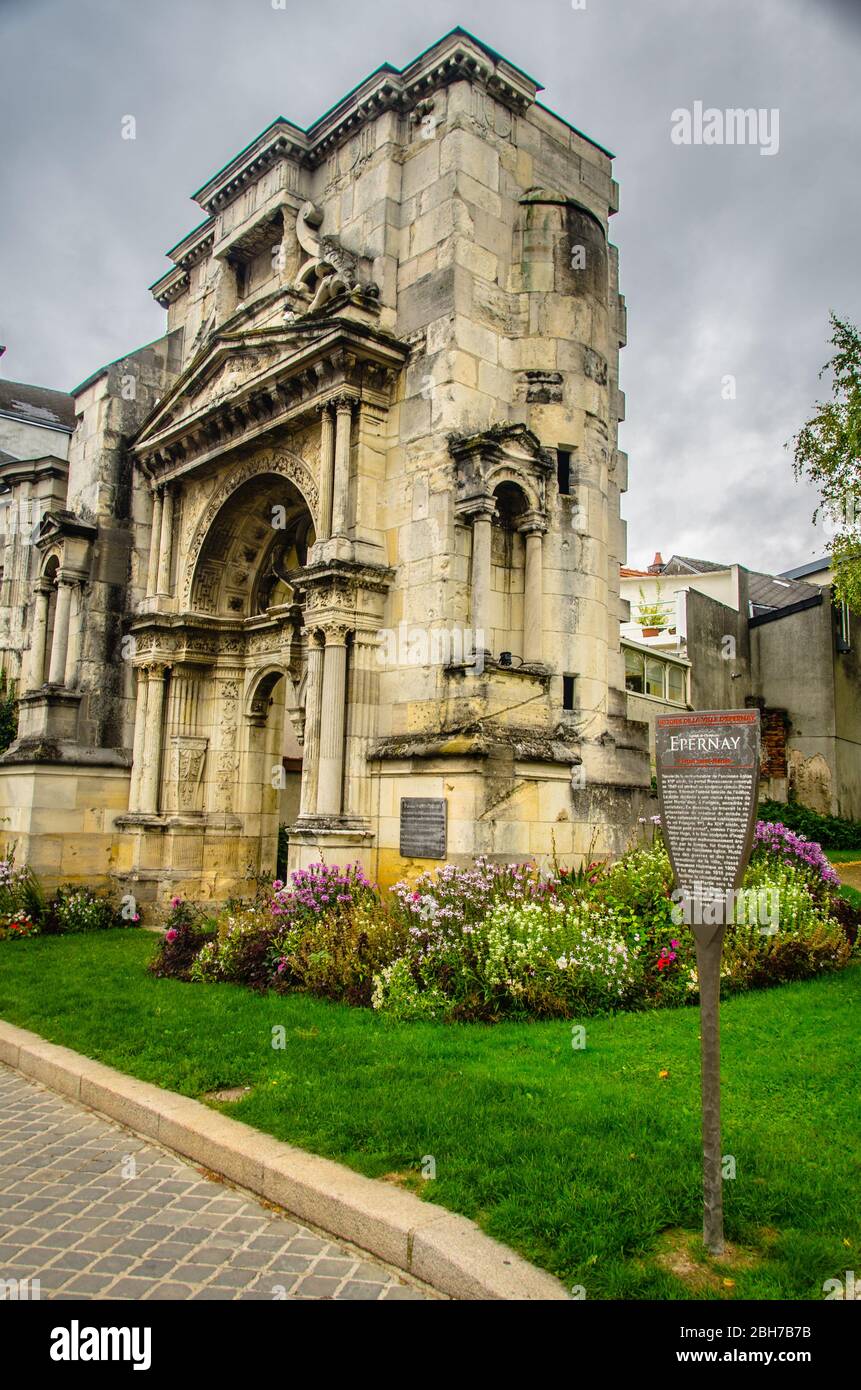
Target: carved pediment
{"x": 242, "y": 384}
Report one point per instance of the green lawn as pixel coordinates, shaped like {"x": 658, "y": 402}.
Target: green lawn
{"x": 586, "y": 1161}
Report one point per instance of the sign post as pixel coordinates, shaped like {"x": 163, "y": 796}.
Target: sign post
{"x": 707, "y": 769}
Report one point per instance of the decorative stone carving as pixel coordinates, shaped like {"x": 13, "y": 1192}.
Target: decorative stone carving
{"x": 187, "y": 759}
{"x": 330, "y": 270}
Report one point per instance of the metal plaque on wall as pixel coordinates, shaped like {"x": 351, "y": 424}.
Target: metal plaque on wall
{"x": 423, "y": 827}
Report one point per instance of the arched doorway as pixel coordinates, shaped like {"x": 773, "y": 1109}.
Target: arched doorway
{"x": 272, "y": 764}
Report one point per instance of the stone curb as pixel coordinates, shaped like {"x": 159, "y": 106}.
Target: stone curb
{"x": 446, "y": 1251}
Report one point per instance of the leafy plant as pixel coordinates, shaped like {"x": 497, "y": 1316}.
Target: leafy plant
{"x": 827, "y": 451}
{"x": 8, "y": 713}
{"x": 831, "y": 832}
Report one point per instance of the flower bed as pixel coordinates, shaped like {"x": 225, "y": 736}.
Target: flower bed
{"x": 492, "y": 941}
{"x": 26, "y": 911}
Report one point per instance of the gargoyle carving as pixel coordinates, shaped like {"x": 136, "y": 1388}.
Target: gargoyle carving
{"x": 329, "y": 270}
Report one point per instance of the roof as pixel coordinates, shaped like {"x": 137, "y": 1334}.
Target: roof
{"x": 768, "y": 593}
{"x": 683, "y": 564}
{"x": 812, "y": 567}
{"x": 37, "y": 405}
{"x": 625, "y": 572}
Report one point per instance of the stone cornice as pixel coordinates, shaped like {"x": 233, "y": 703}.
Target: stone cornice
{"x": 455, "y": 57}
{"x": 16, "y": 471}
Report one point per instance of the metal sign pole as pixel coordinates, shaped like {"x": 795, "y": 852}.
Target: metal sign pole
{"x": 708, "y": 970}
{"x": 707, "y": 770}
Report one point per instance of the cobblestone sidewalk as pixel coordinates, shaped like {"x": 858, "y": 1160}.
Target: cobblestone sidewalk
{"x": 91, "y": 1211}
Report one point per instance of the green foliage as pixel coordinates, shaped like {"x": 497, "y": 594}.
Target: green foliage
{"x": 80, "y": 910}
{"x": 828, "y": 453}
{"x": 281, "y": 856}
{"x": 8, "y": 713}
{"x": 831, "y": 832}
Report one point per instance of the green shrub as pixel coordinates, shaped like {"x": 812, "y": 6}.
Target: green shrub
{"x": 81, "y": 910}
{"x": 831, "y": 832}
{"x": 8, "y": 713}
{"x": 20, "y": 892}
{"x": 187, "y": 930}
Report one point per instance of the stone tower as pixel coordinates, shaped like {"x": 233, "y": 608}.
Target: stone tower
{"x": 362, "y": 537}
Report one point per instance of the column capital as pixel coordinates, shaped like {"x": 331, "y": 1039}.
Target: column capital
{"x": 532, "y": 524}
{"x": 343, "y": 403}
{"x": 474, "y": 508}
{"x": 335, "y": 632}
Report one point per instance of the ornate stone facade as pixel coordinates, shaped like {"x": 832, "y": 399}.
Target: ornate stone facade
{"x": 350, "y": 532}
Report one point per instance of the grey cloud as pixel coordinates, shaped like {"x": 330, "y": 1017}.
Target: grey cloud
{"x": 730, "y": 261}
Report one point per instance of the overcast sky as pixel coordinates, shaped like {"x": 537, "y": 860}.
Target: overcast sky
{"x": 730, "y": 259}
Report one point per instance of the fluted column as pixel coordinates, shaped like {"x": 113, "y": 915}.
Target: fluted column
{"x": 152, "y": 740}
{"x": 331, "y": 761}
{"x": 73, "y": 648}
{"x": 340, "y": 499}
{"x": 327, "y": 472}
{"x": 154, "y": 544}
{"x": 311, "y": 734}
{"x": 533, "y": 590}
{"x": 363, "y": 683}
{"x": 139, "y": 739}
{"x": 38, "y": 638}
{"x": 60, "y": 641}
{"x": 166, "y": 543}
{"x": 482, "y": 516}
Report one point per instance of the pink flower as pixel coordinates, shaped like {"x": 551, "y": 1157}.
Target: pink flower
{"x": 175, "y": 902}
{"x": 171, "y": 935}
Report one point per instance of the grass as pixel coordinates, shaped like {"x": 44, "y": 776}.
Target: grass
{"x": 587, "y": 1162}
{"x": 843, "y": 856}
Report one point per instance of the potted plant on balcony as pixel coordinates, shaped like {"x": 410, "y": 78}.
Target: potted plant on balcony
{"x": 651, "y": 614}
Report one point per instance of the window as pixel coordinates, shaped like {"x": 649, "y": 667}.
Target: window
{"x": 634, "y": 671}
{"x": 567, "y": 692}
{"x": 655, "y": 677}
{"x": 652, "y": 675}
{"x": 563, "y": 471}
{"x": 676, "y": 684}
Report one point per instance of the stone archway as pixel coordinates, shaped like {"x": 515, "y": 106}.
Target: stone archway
{"x": 288, "y": 468}
{"x": 256, "y": 539}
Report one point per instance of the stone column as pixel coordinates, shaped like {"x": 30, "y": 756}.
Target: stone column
{"x": 154, "y": 543}
{"x": 73, "y": 649}
{"x": 340, "y": 500}
{"x": 60, "y": 642}
{"x": 480, "y": 575}
{"x": 139, "y": 739}
{"x": 532, "y": 531}
{"x": 311, "y": 737}
{"x": 152, "y": 740}
{"x": 36, "y": 669}
{"x": 362, "y": 697}
{"x": 327, "y": 473}
{"x": 166, "y": 544}
{"x": 331, "y": 762}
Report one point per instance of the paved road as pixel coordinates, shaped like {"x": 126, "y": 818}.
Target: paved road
{"x": 92, "y": 1211}
{"x": 850, "y": 873}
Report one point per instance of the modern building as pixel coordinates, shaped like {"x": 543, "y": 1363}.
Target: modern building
{"x": 709, "y": 636}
